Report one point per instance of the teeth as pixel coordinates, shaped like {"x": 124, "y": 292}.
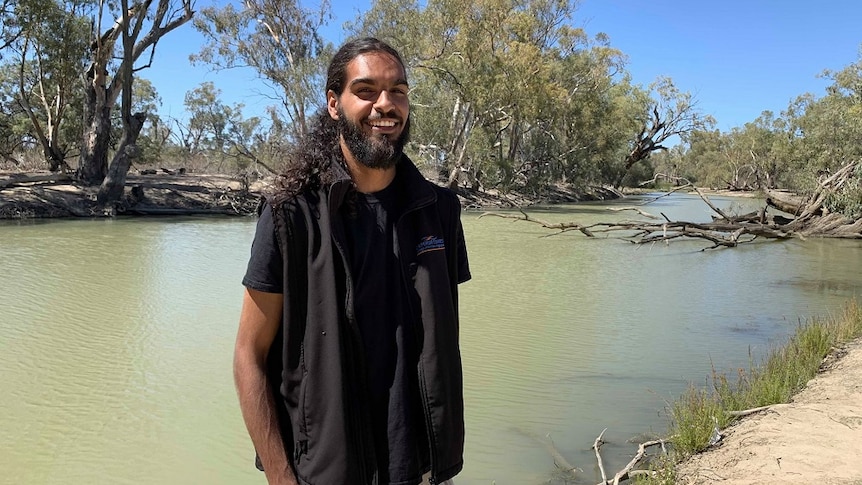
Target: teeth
{"x": 382, "y": 123}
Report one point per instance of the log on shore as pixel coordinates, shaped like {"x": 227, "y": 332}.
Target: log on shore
{"x": 785, "y": 201}
{"x": 16, "y": 181}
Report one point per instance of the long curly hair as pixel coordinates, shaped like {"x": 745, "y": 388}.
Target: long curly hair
{"x": 309, "y": 162}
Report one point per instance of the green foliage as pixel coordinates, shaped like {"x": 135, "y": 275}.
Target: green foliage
{"x": 505, "y": 93}
{"x": 849, "y": 200}
{"x": 812, "y": 137}
{"x": 280, "y": 40}
{"x": 508, "y": 92}
{"x": 44, "y": 47}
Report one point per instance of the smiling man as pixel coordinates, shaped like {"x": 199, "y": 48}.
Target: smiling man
{"x": 347, "y": 361}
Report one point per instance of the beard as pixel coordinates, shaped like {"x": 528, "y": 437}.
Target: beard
{"x": 372, "y": 151}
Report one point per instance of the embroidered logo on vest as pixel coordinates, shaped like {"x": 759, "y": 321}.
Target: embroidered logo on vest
{"x": 428, "y": 244}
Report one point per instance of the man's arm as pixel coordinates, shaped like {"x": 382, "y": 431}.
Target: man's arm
{"x": 258, "y": 324}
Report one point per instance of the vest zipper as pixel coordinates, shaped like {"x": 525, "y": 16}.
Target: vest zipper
{"x": 423, "y": 392}
{"x": 367, "y": 453}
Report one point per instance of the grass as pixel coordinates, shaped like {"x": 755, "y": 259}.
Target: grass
{"x": 781, "y": 374}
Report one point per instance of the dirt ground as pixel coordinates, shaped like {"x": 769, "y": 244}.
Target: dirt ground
{"x": 815, "y": 439}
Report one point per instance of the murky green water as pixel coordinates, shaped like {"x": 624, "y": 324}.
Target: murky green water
{"x": 116, "y": 341}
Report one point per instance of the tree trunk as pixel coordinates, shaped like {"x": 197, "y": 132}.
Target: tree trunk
{"x": 114, "y": 184}
{"x": 93, "y": 163}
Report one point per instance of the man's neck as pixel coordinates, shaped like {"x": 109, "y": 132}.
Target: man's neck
{"x": 367, "y": 180}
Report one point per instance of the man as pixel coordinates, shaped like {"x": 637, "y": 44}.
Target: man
{"x": 347, "y": 362}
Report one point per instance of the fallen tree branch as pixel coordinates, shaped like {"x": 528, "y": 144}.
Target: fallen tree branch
{"x": 725, "y": 230}
{"x": 596, "y": 446}
{"x": 627, "y": 470}
{"x": 746, "y": 412}
{"x": 30, "y": 179}
{"x": 639, "y": 211}
{"x": 624, "y": 474}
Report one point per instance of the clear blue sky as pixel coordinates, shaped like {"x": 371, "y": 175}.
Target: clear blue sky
{"x": 738, "y": 57}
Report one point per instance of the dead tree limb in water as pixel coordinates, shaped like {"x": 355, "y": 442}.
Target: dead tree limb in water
{"x": 624, "y": 474}
{"x": 810, "y": 218}
{"x": 597, "y": 445}
{"x": 560, "y": 461}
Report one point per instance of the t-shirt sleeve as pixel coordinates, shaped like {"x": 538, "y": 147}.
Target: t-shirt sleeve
{"x": 264, "y": 272}
{"x": 463, "y": 263}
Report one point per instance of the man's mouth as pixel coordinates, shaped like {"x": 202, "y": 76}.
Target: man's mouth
{"x": 382, "y": 123}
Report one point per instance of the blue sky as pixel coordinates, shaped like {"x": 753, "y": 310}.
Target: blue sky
{"x": 738, "y": 57}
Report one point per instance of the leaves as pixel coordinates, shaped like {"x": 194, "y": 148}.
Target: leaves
{"x": 280, "y": 40}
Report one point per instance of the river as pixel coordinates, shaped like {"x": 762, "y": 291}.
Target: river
{"x": 116, "y": 340}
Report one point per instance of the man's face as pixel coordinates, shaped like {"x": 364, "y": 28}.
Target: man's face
{"x": 373, "y": 111}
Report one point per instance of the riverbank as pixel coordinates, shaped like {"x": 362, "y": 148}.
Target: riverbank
{"x": 46, "y": 195}
{"x": 814, "y": 437}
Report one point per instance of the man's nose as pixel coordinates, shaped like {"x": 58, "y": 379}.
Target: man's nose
{"x": 384, "y": 102}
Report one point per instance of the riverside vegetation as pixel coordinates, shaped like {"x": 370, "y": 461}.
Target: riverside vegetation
{"x": 699, "y": 416}
{"x": 508, "y": 95}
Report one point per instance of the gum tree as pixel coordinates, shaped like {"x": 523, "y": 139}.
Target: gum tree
{"x": 45, "y": 45}
{"x": 280, "y": 40}
{"x": 111, "y": 71}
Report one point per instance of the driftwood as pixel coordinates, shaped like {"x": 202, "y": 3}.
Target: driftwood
{"x": 58, "y": 195}
{"x": 785, "y": 201}
{"x": 746, "y": 412}
{"x": 626, "y": 473}
{"x": 30, "y": 179}
{"x": 809, "y": 219}
{"x": 597, "y": 445}
{"x": 630, "y": 470}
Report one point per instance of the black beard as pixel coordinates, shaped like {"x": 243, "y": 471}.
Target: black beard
{"x": 378, "y": 152}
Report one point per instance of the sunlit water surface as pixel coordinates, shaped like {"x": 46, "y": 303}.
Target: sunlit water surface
{"x": 116, "y": 340}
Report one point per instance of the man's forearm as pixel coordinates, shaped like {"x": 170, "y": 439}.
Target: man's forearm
{"x": 258, "y": 410}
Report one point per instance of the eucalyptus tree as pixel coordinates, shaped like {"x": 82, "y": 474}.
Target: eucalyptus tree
{"x": 14, "y": 125}
{"x": 9, "y": 30}
{"x": 705, "y": 159}
{"x": 807, "y": 142}
{"x": 829, "y": 136}
{"x": 217, "y": 130}
{"x": 669, "y": 114}
{"x": 601, "y": 112}
{"x": 209, "y": 118}
{"x": 828, "y": 130}
{"x": 281, "y": 42}
{"x": 154, "y": 135}
{"x": 44, "y": 56}
{"x": 502, "y": 88}
{"x": 111, "y": 71}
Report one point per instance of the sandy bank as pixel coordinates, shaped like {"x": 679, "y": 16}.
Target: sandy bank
{"x": 817, "y": 438}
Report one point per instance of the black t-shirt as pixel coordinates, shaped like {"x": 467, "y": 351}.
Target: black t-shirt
{"x": 264, "y": 271}
{"x": 385, "y": 323}
{"x": 388, "y": 335}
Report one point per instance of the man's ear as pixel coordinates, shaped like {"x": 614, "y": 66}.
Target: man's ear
{"x": 332, "y": 104}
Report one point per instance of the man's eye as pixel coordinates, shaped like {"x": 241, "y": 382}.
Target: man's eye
{"x": 366, "y": 93}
